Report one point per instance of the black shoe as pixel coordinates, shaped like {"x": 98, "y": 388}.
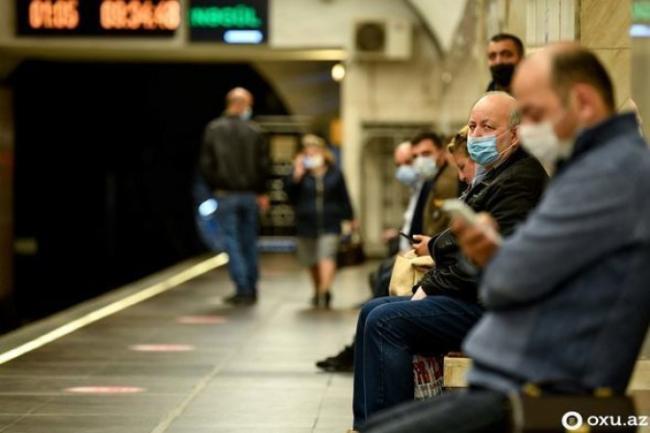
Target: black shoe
{"x": 315, "y": 301}
{"x": 326, "y": 299}
{"x": 343, "y": 362}
{"x": 241, "y": 300}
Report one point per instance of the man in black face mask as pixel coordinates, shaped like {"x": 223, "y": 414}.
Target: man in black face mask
{"x": 505, "y": 51}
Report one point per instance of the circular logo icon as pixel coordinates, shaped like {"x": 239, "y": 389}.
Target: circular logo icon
{"x": 572, "y": 421}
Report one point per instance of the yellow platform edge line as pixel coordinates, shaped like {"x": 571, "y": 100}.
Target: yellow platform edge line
{"x": 140, "y": 296}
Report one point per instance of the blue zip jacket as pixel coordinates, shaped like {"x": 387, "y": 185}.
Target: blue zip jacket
{"x": 568, "y": 295}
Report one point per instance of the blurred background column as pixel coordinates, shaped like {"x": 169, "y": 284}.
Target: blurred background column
{"x": 640, "y": 32}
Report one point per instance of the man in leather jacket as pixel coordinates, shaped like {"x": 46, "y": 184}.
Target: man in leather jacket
{"x": 235, "y": 164}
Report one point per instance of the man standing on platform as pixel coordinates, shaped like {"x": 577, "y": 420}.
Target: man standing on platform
{"x": 235, "y": 163}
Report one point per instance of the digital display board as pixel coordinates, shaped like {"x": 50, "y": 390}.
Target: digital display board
{"x": 98, "y": 17}
{"x": 229, "y": 21}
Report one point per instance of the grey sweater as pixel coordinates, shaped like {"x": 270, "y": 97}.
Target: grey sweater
{"x": 568, "y": 295}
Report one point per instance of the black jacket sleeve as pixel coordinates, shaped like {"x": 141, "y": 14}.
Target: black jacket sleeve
{"x": 509, "y": 206}
{"x": 207, "y": 159}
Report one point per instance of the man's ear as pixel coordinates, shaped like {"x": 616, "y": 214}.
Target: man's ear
{"x": 585, "y": 100}
{"x": 515, "y": 135}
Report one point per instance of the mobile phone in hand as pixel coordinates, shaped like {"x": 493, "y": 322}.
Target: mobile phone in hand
{"x": 459, "y": 209}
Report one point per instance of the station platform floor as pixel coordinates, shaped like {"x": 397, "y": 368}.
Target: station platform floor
{"x": 182, "y": 362}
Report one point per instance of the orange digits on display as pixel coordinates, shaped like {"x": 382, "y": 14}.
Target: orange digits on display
{"x": 54, "y": 14}
{"x": 137, "y": 14}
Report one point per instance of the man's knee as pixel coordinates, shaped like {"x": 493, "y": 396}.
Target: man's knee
{"x": 369, "y": 307}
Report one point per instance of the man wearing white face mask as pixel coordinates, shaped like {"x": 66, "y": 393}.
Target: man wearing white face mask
{"x": 440, "y": 182}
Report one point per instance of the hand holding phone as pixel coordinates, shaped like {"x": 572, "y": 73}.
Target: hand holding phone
{"x": 459, "y": 209}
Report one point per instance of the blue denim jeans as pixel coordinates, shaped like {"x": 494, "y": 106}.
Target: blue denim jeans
{"x": 469, "y": 411}
{"x": 390, "y": 331}
{"x": 237, "y": 216}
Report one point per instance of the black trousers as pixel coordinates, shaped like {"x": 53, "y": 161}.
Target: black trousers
{"x": 468, "y": 411}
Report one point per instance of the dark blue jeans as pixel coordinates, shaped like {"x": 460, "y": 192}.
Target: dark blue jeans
{"x": 390, "y": 331}
{"x": 237, "y": 216}
{"x": 470, "y": 411}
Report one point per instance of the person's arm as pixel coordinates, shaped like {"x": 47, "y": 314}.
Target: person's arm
{"x": 581, "y": 220}
{"x": 509, "y": 206}
{"x": 207, "y": 159}
{"x": 344, "y": 197}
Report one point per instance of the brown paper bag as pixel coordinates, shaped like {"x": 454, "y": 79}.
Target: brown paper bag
{"x": 407, "y": 271}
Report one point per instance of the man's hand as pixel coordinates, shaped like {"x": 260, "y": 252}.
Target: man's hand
{"x": 263, "y": 202}
{"x": 479, "y": 242}
{"x": 421, "y": 245}
{"x": 419, "y": 295}
{"x": 389, "y": 234}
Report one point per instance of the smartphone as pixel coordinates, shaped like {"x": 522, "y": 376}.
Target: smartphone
{"x": 410, "y": 238}
{"x": 459, "y": 209}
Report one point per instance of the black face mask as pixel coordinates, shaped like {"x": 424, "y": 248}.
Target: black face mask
{"x": 502, "y": 74}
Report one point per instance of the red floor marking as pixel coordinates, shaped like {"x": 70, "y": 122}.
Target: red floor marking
{"x": 105, "y": 389}
{"x": 201, "y": 320}
{"x": 162, "y": 347}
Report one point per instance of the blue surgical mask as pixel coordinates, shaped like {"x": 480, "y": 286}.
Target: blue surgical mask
{"x": 406, "y": 175}
{"x": 483, "y": 150}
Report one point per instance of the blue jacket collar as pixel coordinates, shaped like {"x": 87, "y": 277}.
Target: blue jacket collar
{"x": 604, "y": 132}
{"x": 601, "y": 133}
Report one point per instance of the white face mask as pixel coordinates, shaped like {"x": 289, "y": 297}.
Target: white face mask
{"x": 314, "y": 161}
{"x": 425, "y": 166}
{"x": 541, "y": 142}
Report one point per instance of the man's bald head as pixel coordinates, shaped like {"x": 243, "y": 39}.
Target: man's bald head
{"x": 238, "y": 101}
{"x": 493, "y": 110}
{"x": 403, "y": 153}
{"x": 565, "y": 84}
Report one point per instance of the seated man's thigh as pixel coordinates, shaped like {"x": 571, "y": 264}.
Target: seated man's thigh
{"x": 432, "y": 325}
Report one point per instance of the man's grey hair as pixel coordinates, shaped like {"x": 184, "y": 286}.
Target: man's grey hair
{"x": 515, "y": 118}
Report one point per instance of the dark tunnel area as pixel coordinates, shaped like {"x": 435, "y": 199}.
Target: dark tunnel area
{"x": 106, "y": 157}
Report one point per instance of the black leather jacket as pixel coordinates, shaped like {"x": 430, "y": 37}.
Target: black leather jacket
{"x": 234, "y": 156}
{"x": 508, "y": 193}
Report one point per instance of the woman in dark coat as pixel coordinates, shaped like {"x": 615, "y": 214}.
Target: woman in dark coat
{"x": 317, "y": 190}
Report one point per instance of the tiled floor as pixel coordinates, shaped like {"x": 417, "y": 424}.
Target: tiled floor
{"x": 252, "y": 373}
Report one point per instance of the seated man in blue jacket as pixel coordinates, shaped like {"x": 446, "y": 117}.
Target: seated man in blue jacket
{"x": 391, "y": 330}
{"x": 567, "y": 295}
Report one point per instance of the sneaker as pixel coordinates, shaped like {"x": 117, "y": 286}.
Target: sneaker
{"x": 342, "y": 363}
